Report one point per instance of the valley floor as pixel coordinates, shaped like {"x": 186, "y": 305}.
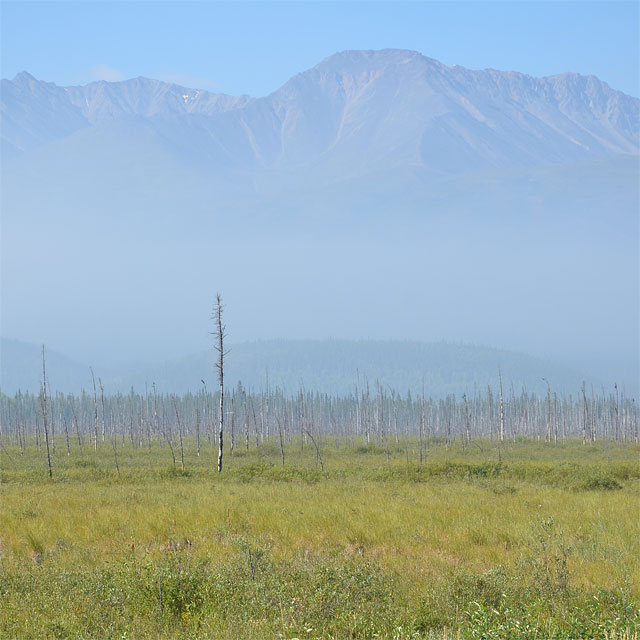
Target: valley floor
{"x": 525, "y": 540}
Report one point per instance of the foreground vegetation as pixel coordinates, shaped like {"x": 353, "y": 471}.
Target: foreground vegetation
{"x": 521, "y": 540}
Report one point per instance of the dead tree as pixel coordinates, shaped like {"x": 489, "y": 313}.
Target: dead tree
{"x": 302, "y": 427}
{"x": 548, "y": 412}
{"x": 175, "y": 406}
{"x": 246, "y": 421}
{"x": 102, "y": 403}
{"x": 501, "y": 407}
{"x": 75, "y": 422}
{"x": 317, "y": 448}
{"x": 115, "y": 451}
{"x": 220, "y": 335}
{"x": 422, "y": 427}
{"x": 555, "y": 419}
{"x": 466, "y": 419}
{"x": 617, "y": 413}
{"x": 198, "y": 431}
{"x": 585, "y": 416}
{"x": 95, "y": 412}
{"x": 233, "y": 423}
{"x": 280, "y": 437}
{"x": 66, "y": 433}
{"x": 43, "y": 406}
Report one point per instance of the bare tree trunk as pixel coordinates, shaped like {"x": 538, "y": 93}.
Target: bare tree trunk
{"x": 102, "y": 402}
{"x": 166, "y": 435}
{"x": 466, "y": 416}
{"x": 75, "y": 422}
{"x": 422, "y": 423}
{"x": 592, "y": 423}
{"x": 617, "y": 413}
{"x": 548, "y": 412}
{"x": 317, "y": 448}
{"x": 255, "y": 424}
{"x": 585, "y": 415}
{"x": 198, "y": 431}
{"x": 302, "y": 427}
{"x": 66, "y": 433}
{"x": 233, "y": 424}
{"x": 52, "y": 424}
{"x": 43, "y": 405}
{"x": 115, "y": 452}
{"x": 95, "y": 412}
{"x": 175, "y": 406}
{"x": 281, "y": 438}
{"x": 501, "y": 407}
{"x": 246, "y": 421}
{"x": 490, "y": 412}
{"x": 220, "y": 335}
{"x": 555, "y": 419}
{"x": 207, "y": 412}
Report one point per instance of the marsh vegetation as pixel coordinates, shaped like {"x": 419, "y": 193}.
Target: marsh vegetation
{"x": 514, "y": 539}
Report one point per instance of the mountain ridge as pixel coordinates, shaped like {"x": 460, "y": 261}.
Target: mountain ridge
{"x": 322, "y": 108}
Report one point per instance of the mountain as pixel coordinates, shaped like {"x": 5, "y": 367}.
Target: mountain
{"x": 380, "y": 194}
{"x": 355, "y": 110}
{"x": 36, "y": 112}
{"x": 355, "y": 119}
{"x": 328, "y": 366}
{"x": 21, "y": 369}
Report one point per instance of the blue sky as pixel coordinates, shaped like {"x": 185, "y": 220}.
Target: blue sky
{"x": 254, "y": 47}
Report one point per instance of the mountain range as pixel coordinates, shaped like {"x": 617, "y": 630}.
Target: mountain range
{"x": 393, "y": 195}
{"x": 355, "y": 110}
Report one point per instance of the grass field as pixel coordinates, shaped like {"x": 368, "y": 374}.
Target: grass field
{"x": 529, "y": 541}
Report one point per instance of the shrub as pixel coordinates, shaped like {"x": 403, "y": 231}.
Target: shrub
{"x": 600, "y": 483}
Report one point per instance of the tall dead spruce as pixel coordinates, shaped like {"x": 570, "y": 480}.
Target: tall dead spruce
{"x": 43, "y": 406}
{"x": 219, "y": 335}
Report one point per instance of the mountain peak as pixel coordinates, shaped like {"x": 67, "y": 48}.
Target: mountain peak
{"x": 369, "y": 106}
{"x": 24, "y": 77}
{"x": 351, "y": 58}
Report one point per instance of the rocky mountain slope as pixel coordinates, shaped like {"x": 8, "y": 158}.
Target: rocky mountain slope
{"x": 396, "y": 106}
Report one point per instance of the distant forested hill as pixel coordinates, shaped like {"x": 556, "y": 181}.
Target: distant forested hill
{"x": 331, "y": 366}
{"x": 337, "y": 366}
{"x": 21, "y": 369}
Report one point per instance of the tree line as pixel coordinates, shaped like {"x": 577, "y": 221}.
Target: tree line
{"x": 373, "y": 413}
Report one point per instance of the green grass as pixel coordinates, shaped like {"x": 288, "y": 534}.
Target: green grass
{"x": 529, "y": 541}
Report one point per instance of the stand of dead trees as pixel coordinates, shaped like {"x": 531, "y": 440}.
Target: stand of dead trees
{"x": 383, "y": 419}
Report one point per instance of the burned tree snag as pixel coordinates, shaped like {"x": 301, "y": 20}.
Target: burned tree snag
{"x": 219, "y": 335}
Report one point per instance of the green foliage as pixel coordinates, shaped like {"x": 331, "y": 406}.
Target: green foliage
{"x": 171, "y": 471}
{"x": 277, "y": 473}
{"x": 534, "y": 544}
{"x": 85, "y": 464}
{"x": 600, "y": 482}
{"x": 369, "y": 448}
{"x": 35, "y": 544}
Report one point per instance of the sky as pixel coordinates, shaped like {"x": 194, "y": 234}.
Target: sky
{"x": 254, "y": 47}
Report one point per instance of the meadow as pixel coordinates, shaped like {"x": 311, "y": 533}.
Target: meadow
{"x": 523, "y": 540}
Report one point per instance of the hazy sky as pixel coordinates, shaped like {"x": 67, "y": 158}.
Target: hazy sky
{"x": 254, "y": 47}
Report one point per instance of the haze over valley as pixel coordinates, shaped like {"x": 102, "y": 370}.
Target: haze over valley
{"x": 378, "y": 195}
